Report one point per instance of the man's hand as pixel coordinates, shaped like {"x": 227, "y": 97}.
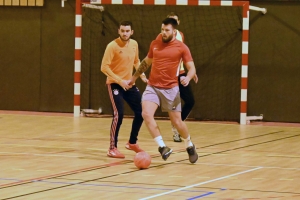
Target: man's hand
{"x": 124, "y": 84}
{"x": 184, "y": 80}
{"x": 131, "y": 81}
{"x": 195, "y": 78}
{"x": 144, "y": 78}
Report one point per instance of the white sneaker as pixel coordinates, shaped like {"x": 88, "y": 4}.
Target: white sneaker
{"x": 176, "y": 136}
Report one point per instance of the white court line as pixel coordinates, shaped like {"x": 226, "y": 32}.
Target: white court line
{"x": 202, "y": 183}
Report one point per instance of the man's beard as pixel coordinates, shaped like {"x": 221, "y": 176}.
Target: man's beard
{"x": 168, "y": 39}
{"x": 122, "y": 38}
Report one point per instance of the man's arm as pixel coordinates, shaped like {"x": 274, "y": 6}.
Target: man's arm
{"x": 105, "y": 65}
{"x": 105, "y": 68}
{"x": 144, "y": 65}
{"x": 191, "y": 73}
{"x": 143, "y": 75}
{"x": 136, "y": 64}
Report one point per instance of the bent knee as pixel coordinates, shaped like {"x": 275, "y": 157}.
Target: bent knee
{"x": 147, "y": 115}
{"x": 177, "y": 123}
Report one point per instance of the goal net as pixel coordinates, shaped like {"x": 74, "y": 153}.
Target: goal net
{"x": 213, "y": 34}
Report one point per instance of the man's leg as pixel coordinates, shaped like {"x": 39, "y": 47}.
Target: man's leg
{"x": 187, "y": 96}
{"x": 175, "y": 118}
{"x": 133, "y": 99}
{"x": 148, "y": 112}
{"x": 116, "y": 97}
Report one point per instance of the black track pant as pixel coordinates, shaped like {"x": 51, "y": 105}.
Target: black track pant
{"x": 187, "y": 96}
{"x": 133, "y": 98}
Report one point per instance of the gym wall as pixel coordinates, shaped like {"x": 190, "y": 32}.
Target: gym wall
{"x": 37, "y": 60}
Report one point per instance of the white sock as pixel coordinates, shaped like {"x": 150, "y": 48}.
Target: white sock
{"x": 188, "y": 142}
{"x": 159, "y": 141}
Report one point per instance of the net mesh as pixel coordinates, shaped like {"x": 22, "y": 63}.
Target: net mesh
{"x": 213, "y": 34}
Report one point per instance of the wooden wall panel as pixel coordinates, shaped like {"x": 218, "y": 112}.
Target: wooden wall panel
{"x": 39, "y": 2}
{"x": 31, "y": 2}
{"x": 21, "y": 2}
{"x": 15, "y": 2}
{"x": 7, "y": 2}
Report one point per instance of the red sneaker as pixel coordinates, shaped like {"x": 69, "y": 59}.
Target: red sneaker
{"x": 133, "y": 147}
{"x": 115, "y": 153}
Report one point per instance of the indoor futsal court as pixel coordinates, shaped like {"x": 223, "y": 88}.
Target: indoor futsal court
{"x": 56, "y": 112}
{"x": 62, "y": 157}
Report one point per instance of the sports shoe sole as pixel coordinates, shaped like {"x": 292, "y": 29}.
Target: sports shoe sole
{"x": 193, "y": 158}
{"x": 166, "y": 155}
{"x": 128, "y": 147}
{"x": 111, "y": 156}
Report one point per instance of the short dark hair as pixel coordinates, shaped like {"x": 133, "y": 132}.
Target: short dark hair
{"x": 126, "y": 23}
{"x": 172, "y": 14}
{"x": 171, "y": 21}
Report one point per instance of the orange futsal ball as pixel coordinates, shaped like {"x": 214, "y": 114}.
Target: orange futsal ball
{"x": 142, "y": 160}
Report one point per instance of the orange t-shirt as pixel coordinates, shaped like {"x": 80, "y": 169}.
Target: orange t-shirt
{"x": 166, "y": 59}
{"x": 119, "y": 59}
{"x": 179, "y": 36}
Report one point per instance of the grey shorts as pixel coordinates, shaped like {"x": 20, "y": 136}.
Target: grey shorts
{"x": 167, "y": 99}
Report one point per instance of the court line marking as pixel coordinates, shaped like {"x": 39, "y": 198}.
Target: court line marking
{"x": 266, "y": 167}
{"x": 101, "y": 185}
{"x": 37, "y": 154}
{"x": 92, "y": 168}
{"x": 62, "y": 174}
{"x": 202, "y": 183}
{"x": 200, "y": 196}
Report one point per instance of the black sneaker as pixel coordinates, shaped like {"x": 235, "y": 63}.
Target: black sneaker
{"x": 193, "y": 156}
{"x": 165, "y": 152}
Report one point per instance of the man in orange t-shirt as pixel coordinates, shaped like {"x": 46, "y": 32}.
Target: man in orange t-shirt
{"x": 165, "y": 56}
{"x": 120, "y": 56}
{"x": 186, "y": 93}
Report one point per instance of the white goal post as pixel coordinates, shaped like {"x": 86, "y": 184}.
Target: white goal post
{"x": 244, "y": 119}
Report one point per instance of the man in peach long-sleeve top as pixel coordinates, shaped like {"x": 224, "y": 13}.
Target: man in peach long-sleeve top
{"x": 120, "y": 56}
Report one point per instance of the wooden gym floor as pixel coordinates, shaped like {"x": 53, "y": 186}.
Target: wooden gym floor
{"x": 56, "y": 156}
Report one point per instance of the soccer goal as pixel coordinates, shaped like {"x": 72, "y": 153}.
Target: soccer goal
{"x": 216, "y": 32}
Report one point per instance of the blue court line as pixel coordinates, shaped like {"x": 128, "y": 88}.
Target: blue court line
{"x": 206, "y": 194}
{"x": 10, "y": 179}
{"x": 203, "y": 195}
{"x": 98, "y": 185}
